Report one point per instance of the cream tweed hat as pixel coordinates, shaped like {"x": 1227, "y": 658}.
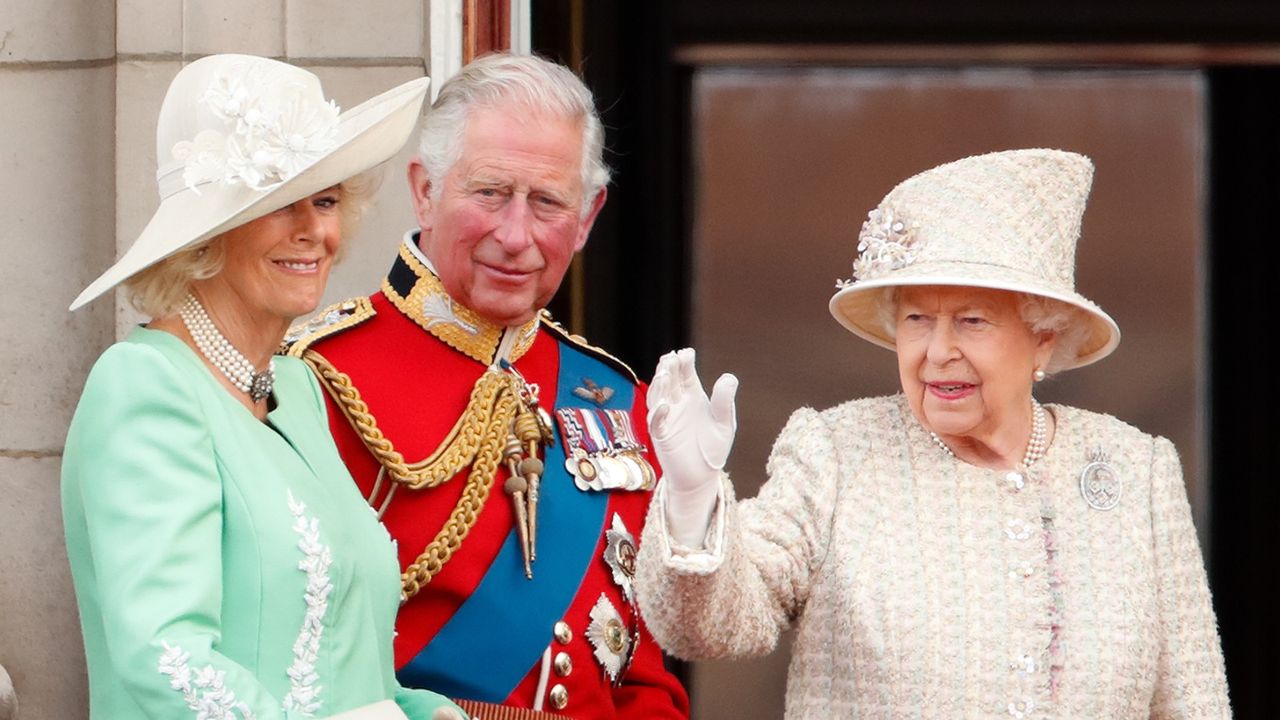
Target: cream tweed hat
{"x": 241, "y": 136}
{"x": 1006, "y": 220}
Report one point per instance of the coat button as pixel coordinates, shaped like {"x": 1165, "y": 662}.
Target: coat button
{"x": 563, "y": 633}
{"x": 559, "y": 697}
{"x": 563, "y": 664}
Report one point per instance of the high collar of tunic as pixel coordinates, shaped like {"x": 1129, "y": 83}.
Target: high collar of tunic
{"x": 414, "y": 289}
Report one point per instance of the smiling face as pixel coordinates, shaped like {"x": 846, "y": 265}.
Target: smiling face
{"x": 965, "y": 360}
{"x": 508, "y": 218}
{"x": 276, "y": 266}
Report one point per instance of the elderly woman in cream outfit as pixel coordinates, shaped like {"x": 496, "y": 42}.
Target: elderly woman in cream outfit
{"x": 957, "y": 550}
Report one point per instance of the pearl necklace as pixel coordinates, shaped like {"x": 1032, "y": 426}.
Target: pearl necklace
{"x": 1035, "y": 444}
{"x": 224, "y": 356}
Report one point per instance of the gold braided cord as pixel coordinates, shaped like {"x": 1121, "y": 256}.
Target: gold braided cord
{"x": 456, "y": 451}
{"x": 464, "y": 515}
{"x": 476, "y": 440}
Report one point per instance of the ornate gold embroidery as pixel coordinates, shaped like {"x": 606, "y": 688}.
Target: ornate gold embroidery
{"x": 329, "y": 321}
{"x": 456, "y": 325}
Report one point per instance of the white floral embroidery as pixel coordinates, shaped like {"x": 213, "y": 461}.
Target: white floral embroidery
{"x": 304, "y": 693}
{"x": 439, "y": 309}
{"x": 885, "y": 243}
{"x": 275, "y": 127}
{"x": 203, "y": 689}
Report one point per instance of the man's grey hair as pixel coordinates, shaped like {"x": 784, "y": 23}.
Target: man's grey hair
{"x": 500, "y": 79}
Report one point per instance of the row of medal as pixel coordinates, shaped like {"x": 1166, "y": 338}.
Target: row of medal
{"x": 602, "y": 452}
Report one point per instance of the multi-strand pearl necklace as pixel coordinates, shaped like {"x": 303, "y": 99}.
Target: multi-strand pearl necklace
{"x": 1035, "y": 444}
{"x": 224, "y": 356}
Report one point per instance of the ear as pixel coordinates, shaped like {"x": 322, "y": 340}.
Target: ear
{"x": 420, "y": 194}
{"x": 1045, "y": 344}
{"x": 584, "y": 229}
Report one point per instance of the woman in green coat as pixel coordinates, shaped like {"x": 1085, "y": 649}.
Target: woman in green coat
{"x": 224, "y": 563}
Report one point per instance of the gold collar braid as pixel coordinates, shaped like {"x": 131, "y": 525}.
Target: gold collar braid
{"x": 461, "y": 328}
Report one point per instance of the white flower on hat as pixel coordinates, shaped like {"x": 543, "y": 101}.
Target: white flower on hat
{"x": 274, "y": 130}
{"x": 302, "y": 133}
{"x": 886, "y": 242}
{"x": 204, "y": 158}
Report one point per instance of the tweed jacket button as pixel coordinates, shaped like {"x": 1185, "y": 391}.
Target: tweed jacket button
{"x": 1018, "y": 529}
{"x": 1021, "y": 707}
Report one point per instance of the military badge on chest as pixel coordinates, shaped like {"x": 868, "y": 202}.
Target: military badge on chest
{"x": 601, "y": 450}
{"x": 613, "y": 641}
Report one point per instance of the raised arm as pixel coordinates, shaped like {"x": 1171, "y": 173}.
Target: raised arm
{"x": 728, "y": 588}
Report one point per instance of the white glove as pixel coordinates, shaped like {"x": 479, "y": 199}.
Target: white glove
{"x": 692, "y": 436}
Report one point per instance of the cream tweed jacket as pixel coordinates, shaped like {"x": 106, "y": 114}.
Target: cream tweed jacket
{"x": 924, "y": 587}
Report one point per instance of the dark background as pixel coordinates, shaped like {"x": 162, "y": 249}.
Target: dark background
{"x": 635, "y": 277}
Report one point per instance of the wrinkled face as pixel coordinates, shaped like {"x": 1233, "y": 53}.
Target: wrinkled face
{"x": 966, "y": 358}
{"x": 508, "y": 218}
{"x": 276, "y": 266}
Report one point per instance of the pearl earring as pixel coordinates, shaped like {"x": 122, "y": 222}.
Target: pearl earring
{"x": 1038, "y": 375}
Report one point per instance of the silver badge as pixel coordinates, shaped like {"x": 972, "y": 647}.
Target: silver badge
{"x": 609, "y": 639}
{"x": 1100, "y": 484}
{"x": 620, "y": 555}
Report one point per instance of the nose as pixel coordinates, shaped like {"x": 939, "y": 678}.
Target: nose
{"x": 942, "y": 343}
{"x": 309, "y": 224}
{"x": 513, "y": 225}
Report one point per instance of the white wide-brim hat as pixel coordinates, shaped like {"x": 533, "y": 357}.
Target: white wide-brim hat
{"x": 241, "y": 136}
{"x": 1004, "y": 221}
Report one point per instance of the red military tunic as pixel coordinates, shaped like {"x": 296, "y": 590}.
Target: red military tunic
{"x": 414, "y": 355}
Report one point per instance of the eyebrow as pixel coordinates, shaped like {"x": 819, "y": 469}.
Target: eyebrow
{"x": 968, "y": 307}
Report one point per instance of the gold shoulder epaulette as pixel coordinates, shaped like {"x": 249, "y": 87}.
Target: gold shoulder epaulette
{"x": 329, "y": 321}
{"x": 582, "y": 343}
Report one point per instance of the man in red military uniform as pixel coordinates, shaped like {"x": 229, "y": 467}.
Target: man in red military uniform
{"x": 509, "y": 460}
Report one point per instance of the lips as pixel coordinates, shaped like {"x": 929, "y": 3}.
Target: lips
{"x": 950, "y": 390}
{"x": 509, "y": 274}
{"x": 300, "y": 266}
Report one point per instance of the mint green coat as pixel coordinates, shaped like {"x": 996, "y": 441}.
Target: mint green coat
{"x": 225, "y": 567}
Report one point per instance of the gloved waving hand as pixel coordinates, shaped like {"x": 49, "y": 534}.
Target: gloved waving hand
{"x": 692, "y": 435}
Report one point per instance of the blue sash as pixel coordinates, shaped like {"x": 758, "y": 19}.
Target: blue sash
{"x": 501, "y": 630}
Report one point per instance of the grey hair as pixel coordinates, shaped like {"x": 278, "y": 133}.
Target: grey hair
{"x": 1068, "y": 323}
{"x": 158, "y": 291}
{"x": 499, "y": 78}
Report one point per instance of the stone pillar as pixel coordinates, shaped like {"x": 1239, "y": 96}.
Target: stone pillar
{"x": 57, "y": 80}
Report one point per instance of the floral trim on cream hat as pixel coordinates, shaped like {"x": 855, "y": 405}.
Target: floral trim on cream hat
{"x": 1006, "y": 221}
{"x": 240, "y": 136}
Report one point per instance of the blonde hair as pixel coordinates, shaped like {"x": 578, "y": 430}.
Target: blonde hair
{"x": 158, "y": 291}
